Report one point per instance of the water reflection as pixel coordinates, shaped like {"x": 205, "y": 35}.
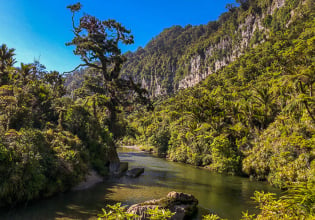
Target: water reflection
{"x": 227, "y": 196}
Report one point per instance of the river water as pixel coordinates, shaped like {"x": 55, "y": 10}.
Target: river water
{"x": 224, "y": 195}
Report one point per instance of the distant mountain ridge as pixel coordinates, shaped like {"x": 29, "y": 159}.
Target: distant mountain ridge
{"x": 181, "y": 57}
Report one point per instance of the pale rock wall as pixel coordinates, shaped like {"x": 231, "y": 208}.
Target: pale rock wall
{"x": 199, "y": 65}
{"x": 247, "y": 29}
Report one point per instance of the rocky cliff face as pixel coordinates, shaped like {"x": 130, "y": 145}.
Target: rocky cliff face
{"x": 182, "y": 57}
{"x": 252, "y": 24}
{"x": 153, "y": 85}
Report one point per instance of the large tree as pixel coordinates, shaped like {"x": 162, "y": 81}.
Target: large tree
{"x": 97, "y": 43}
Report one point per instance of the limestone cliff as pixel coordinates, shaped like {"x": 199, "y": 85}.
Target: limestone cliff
{"x": 181, "y": 57}
{"x": 233, "y": 48}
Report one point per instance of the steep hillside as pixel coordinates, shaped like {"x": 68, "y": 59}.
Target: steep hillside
{"x": 254, "y": 117}
{"x": 181, "y": 57}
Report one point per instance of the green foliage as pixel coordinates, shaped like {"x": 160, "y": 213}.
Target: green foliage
{"x": 254, "y": 117}
{"x": 224, "y": 157}
{"x": 160, "y": 139}
{"x": 117, "y": 212}
{"x": 49, "y": 140}
{"x": 297, "y": 203}
{"x": 36, "y": 163}
{"x": 283, "y": 153}
{"x": 211, "y": 217}
{"x": 159, "y": 214}
{"x": 6, "y": 64}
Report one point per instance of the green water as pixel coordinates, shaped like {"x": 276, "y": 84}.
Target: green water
{"x": 226, "y": 196}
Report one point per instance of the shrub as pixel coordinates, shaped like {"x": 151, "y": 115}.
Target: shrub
{"x": 35, "y": 163}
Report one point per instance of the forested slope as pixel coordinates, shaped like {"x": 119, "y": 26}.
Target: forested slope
{"x": 254, "y": 117}
{"x": 181, "y": 57}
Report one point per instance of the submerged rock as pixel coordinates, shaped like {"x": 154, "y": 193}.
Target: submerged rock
{"x": 135, "y": 172}
{"x": 184, "y": 205}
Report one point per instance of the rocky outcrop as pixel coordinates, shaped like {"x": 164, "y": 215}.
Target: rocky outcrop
{"x": 183, "y": 205}
{"x": 135, "y": 172}
{"x": 153, "y": 85}
{"x": 181, "y": 57}
{"x": 228, "y": 46}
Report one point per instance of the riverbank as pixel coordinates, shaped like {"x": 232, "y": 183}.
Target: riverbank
{"x": 135, "y": 147}
{"x": 140, "y": 148}
{"x": 227, "y": 196}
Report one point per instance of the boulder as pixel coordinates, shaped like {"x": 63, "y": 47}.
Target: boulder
{"x": 135, "y": 172}
{"x": 184, "y": 205}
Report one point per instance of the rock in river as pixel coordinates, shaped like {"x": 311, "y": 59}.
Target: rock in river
{"x": 135, "y": 172}
{"x": 184, "y": 206}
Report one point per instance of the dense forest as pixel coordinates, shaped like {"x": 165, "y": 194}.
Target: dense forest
{"x": 50, "y": 138}
{"x": 253, "y": 115}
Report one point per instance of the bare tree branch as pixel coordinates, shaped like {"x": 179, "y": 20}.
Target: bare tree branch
{"x": 81, "y": 65}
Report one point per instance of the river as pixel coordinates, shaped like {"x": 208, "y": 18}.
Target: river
{"x": 224, "y": 195}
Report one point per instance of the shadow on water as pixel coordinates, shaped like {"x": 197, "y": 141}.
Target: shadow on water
{"x": 227, "y": 196}
{"x": 84, "y": 204}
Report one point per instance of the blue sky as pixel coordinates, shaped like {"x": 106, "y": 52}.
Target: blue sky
{"x": 39, "y": 29}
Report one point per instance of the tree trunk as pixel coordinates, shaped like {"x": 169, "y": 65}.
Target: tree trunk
{"x": 114, "y": 162}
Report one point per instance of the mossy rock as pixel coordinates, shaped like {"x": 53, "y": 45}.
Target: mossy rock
{"x": 183, "y": 205}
